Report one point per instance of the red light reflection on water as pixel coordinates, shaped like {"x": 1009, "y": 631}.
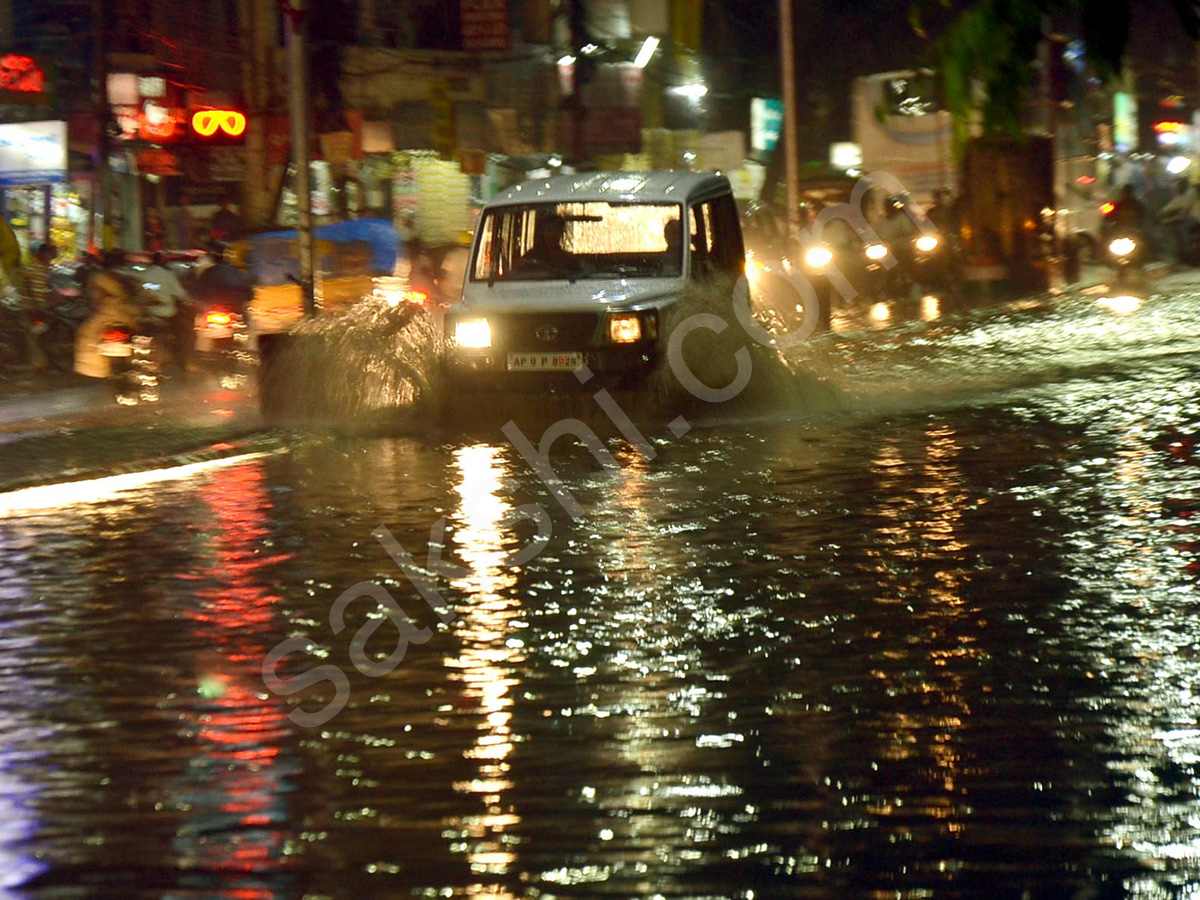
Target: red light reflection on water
{"x": 234, "y": 787}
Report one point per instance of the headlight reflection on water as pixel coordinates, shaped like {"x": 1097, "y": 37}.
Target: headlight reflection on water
{"x": 1122, "y": 306}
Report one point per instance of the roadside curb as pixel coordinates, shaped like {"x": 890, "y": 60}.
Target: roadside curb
{"x": 198, "y": 450}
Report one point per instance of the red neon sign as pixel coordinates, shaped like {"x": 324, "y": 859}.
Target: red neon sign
{"x": 20, "y": 73}
{"x": 206, "y": 122}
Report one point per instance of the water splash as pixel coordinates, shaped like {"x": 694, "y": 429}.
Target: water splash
{"x": 347, "y": 369}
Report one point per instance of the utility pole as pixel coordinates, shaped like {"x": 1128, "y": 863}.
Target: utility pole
{"x": 298, "y": 105}
{"x": 791, "y": 151}
{"x": 100, "y": 95}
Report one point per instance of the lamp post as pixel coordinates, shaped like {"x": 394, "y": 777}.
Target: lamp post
{"x": 791, "y": 151}
{"x": 297, "y": 56}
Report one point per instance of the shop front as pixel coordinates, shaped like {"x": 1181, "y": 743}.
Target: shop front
{"x": 36, "y": 198}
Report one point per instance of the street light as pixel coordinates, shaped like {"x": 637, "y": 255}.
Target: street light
{"x": 647, "y": 51}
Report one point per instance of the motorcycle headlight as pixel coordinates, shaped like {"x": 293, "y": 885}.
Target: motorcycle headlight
{"x": 1122, "y": 246}
{"x": 876, "y": 251}
{"x": 474, "y": 334}
{"x": 927, "y": 243}
{"x": 818, "y": 257}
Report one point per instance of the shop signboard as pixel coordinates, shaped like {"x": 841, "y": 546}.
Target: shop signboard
{"x": 485, "y": 25}
{"x": 33, "y": 152}
{"x": 22, "y": 80}
{"x": 157, "y": 161}
{"x": 766, "y": 123}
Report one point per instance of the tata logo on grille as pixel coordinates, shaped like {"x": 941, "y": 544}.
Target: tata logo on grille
{"x": 546, "y": 332}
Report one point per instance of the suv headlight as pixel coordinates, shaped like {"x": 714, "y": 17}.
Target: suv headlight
{"x": 473, "y": 334}
{"x": 625, "y": 328}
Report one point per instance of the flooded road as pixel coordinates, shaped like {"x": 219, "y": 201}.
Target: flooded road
{"x": 931, "y": 634}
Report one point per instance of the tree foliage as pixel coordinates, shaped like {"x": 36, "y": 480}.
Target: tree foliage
{"x": 987, "y": 54}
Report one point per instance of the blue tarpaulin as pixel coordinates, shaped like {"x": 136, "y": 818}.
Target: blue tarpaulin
{"x": 275, "y": 255}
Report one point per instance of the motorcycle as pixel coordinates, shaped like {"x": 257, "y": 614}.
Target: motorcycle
{"x": 132, "y": 364}
{"x": 1124, "y": 251}
{"x": 935, "y": 264}
{"x": 223, "y": 344}
{"x": 55, "y": 330}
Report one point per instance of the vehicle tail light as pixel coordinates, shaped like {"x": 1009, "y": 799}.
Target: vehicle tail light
{"x": 218, "y": 317}
{"x": 414, "y": 296}
{"x": 1107, "y": 208}
{"x": 116, "y": 335}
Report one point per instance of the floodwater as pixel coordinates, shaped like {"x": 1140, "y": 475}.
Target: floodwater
{"x": 931, "y": 632}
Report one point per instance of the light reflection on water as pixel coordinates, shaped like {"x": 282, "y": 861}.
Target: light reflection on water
{"x": 946, "y": 648}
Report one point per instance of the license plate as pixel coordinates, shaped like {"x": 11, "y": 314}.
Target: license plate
{"x": 544, "y": 362}
{"x": 115, "y": 348}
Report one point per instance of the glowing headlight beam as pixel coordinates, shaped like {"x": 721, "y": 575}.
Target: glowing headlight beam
{"x": 927, "y": 243}
{"x": 625, "y": 329}
{"x": 474, "y": 334}
{"x": 1122, "y": 246}
{"x": 876, "y": 251}
{"x": 818, "y": 257}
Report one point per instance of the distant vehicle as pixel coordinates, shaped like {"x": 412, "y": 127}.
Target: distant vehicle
{"x": 902, "y": 132}
{"x": 581, "y": 270}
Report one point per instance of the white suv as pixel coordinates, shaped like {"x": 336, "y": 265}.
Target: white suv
{"x": 578, "y": 269}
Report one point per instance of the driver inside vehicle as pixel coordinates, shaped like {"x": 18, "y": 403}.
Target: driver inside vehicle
{"x": 673, "y": 235}
{"x": 547, "y": 251}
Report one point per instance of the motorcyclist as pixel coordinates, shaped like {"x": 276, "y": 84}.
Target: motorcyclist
{"x": 170, "y": 305}
{"x": 896, "y": 227}
{"x": 111, "y": 307}
{"x": 223, "y": 284}
{"x": 1128, "y": 215}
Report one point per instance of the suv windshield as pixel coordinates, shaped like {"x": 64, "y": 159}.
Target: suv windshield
{"x": 544, "y": 241}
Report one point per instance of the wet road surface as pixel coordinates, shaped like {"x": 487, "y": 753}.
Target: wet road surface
{"x": 930, "y": 634}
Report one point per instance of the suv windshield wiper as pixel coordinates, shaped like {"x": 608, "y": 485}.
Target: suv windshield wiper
{"x": 621, "y": 270}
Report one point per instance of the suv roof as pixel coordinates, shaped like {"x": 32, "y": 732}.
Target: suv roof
{"x": 672, "y": 186}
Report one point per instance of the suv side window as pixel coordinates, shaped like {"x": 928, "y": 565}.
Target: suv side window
{"x": 716, "y": 236}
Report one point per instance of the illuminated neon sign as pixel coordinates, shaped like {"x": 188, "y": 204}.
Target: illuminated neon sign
{"x": 21, "y": 73}
{"x": 206, "y": 122}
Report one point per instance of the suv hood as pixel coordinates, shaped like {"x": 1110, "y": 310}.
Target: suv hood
{"x": 584, "y": 295}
